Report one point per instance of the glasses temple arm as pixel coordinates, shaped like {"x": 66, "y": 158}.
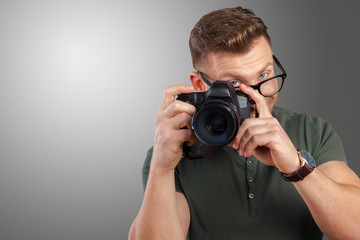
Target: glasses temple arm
{"x": 279, "y": 65}
{"x": 204, "y": 78}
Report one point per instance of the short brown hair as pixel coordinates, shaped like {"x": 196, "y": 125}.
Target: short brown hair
{"x": 225, "y": 30}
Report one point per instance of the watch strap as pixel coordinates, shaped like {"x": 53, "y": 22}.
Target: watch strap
{"x": 299, "y": 174}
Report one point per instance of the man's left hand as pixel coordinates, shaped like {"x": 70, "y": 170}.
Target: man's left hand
{"x": 265, "y": 138}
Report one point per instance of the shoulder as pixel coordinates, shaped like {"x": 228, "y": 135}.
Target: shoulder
{"x": 301, "y": 123}
{"x": 312, "y": 133}
{"x": 284, "y": 116}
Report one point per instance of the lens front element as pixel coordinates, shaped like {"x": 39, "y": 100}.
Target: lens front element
{"x": 215, "y": 123}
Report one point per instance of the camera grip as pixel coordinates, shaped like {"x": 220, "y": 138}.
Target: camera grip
{"x": 197, "y": 151}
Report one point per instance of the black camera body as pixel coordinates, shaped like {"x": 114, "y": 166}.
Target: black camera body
{"x": 219, "y": 113}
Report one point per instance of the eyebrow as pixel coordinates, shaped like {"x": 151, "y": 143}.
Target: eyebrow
{"x": 266, "y": 67}
{"x": 236, "y": 78}
{"x": 209, "y": 80}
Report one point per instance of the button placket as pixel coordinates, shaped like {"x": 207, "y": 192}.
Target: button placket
{"x": 250, "y": 178}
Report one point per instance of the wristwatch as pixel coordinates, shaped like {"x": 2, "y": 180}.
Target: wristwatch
{"x": 307, "y": 166}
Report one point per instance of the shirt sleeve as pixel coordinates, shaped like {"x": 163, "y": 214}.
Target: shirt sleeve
{"x": 326, "y": 144}
{"x": 312, "y": 134}
{"x": 146, "y": 169}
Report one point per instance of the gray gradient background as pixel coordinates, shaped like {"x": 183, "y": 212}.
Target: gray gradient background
{"x": 81, "y": 82}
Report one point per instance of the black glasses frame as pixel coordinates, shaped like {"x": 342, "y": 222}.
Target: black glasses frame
{"x": 257, "y": 86}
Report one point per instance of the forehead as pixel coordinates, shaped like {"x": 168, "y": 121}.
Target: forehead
{"x": 239, "y": 65}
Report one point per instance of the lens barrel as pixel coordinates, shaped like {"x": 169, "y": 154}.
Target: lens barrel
{"x": 215, "y": 123}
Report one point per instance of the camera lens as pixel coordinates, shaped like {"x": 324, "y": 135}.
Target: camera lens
{"x": 215, "y": 123}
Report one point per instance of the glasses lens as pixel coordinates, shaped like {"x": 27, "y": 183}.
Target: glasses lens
{"x": 271, "y": 87}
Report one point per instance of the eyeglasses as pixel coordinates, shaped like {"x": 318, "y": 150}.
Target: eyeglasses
{"x": 268, "y": 87}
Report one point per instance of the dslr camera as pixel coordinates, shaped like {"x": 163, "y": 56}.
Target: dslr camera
{"x": 219, "y": 113}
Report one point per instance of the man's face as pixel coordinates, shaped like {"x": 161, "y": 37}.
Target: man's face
{"x": 249, "y": 68}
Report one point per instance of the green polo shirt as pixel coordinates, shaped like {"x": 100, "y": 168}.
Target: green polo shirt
{"x": 231, "y": 197}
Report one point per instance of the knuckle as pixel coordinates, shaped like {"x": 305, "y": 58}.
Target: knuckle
{"x": 159, "y": 118}
{"x": 167, "y": 90}
{"x": 277, "y": 135}
{"x": 184, "y": 117}
{"x": 253, "y": 142}
{"x": 245, "y": 123}
{"x": 274, "y": 121}
{"x": 177, "y": 104}
{"x": 254, "y": 139}
{"x": 250, "y": 131}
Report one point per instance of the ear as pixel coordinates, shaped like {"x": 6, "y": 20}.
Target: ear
{"x": 197, "y": 82}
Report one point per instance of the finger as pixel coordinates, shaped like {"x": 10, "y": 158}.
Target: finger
{"x": 183, "y": 120}
{"x": 180, "y": 121}
{"x": 191, "y": 141}
{"x": 246, "y": 124}
{"x": 170, "y": 94}
{"x": 261, "y": 105}
{"x": 250, "y": 133}
{"x": 170, "y": 131}
{"x": 177, "y": 107}
{"x": 185, "y": 135}
{"x": 256, "y": 141}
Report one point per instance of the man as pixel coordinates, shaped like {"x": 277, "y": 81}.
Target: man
{"x": 242, "y": 190}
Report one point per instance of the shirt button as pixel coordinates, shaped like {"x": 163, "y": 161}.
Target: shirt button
{"x": 251, "y": 195}
{"x": 249, "y": 162}
{"x": 250, "y": 179}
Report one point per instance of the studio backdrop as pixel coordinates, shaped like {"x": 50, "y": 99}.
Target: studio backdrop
{"x": 81, "y": 83}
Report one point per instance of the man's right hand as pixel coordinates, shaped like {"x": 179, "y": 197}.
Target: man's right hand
{"x": 165, "y": 213}
{"x": 173, "y": 128}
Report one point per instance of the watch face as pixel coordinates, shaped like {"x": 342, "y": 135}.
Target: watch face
{"x": 308, "y": 158}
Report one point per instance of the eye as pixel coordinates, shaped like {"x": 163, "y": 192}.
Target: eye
{"x": 236, "y": 83}
{"x": 263, "y": 76}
